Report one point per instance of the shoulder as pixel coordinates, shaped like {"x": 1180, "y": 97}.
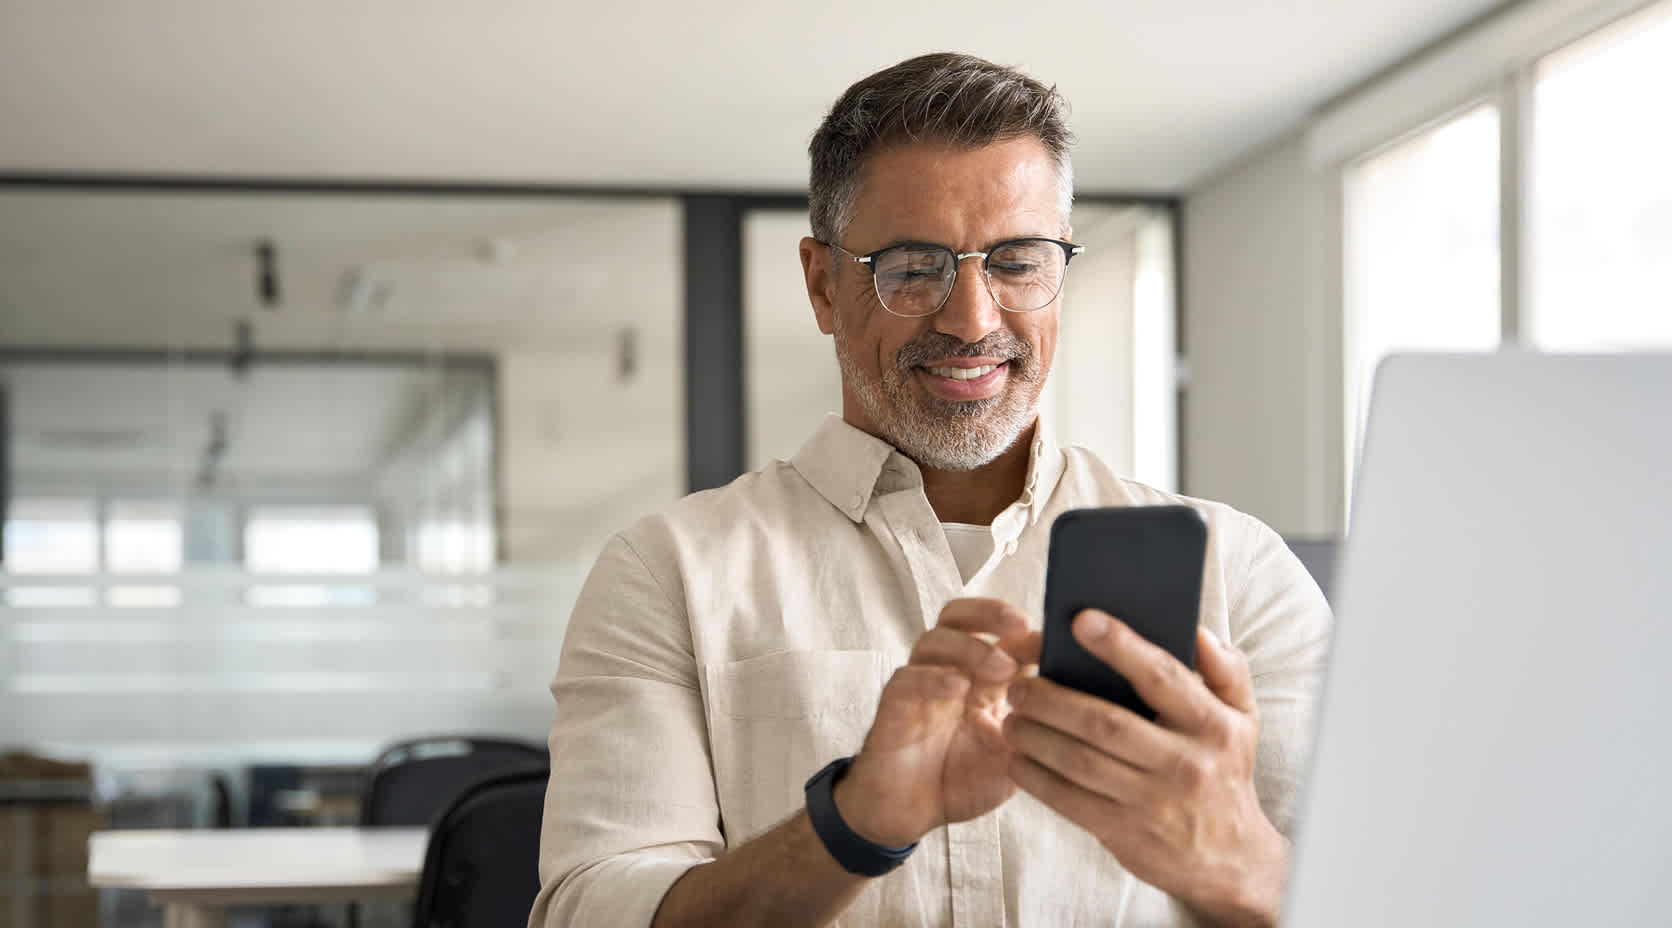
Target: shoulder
{"x": 1086, "y": 477}
{"x": 761, "y": 495}
{"x": 760, "y": 507}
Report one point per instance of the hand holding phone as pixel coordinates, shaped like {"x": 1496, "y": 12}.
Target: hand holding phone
{"x": 1140, "y": 564}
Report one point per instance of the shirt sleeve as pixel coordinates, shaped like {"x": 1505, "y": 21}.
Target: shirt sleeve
{"x": 1281, "y": 623}
{"x": 631, "y": 805}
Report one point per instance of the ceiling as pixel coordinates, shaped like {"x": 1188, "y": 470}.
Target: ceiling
{"x": 659, "y": 93}
{"x": 416, "y": 280}
{"x": 288, "y": 428}
{"x": 356, "y": 273}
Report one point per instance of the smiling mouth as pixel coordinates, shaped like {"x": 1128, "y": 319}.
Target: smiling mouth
{"x": 963, "y": 373}
{"x": 963, "y": 383}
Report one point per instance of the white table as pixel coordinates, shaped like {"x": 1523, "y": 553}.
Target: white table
{"x": 195, "y": 875}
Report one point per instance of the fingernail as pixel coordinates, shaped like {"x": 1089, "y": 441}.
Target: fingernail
{"x": 1094, "y": 624}
{"x": 1015, "y": 694}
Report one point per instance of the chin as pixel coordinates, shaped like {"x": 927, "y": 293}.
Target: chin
{"x": 951, "y": 441}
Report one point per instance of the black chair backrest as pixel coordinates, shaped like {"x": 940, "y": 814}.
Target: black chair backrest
{"x": 481, "y": 868}
{"x": 413, "y": 780}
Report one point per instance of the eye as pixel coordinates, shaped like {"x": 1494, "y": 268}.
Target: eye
{"x": 1020, "y": 259}
{"x": 911, "y": 265}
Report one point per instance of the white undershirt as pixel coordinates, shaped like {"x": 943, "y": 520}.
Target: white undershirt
{"x": 971, "y": 546}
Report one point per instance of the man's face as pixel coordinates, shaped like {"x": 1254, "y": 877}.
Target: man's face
{"x": 907, "y": 380}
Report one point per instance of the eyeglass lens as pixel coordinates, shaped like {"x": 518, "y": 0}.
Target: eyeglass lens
{"x": 914, "y": 280}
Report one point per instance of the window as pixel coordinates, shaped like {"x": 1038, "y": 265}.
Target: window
{"x": 312, "y": 539}
{"x": 324, "y": 539}
{"x": 142, "y": 538}
{"x": 1422, "y": 269}
{"x": 1112, "y": 386}
{"x": 1600, "y": 191}
{"x": 52, "y": 536}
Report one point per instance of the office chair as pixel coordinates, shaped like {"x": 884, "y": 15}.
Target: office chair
{"x": 481, "y": 867}
{"x": 411, "y": 782}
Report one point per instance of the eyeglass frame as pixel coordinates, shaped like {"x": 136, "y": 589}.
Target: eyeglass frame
{"x": 869, "y": 260}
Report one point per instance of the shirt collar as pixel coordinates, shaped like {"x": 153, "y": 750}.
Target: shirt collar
{"x": 844, "y": 465}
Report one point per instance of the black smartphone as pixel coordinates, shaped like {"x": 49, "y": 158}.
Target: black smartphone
{"x": 1140, "y": 564}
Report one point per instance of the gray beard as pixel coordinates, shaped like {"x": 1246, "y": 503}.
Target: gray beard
{"x": 946, "y": 434}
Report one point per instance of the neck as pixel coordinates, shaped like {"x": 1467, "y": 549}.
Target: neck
{"x": 977, "y": 496}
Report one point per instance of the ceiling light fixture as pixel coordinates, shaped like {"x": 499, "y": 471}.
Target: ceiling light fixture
{"x": 267, "y": 273}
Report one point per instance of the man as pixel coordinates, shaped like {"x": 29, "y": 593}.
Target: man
{"x": 878, "y": 595}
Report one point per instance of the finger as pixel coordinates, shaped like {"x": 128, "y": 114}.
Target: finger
{"x": 926, "y": 684}
{"x": 1114, "y": 730}
{"x": 1225, "y": 670}
{"x": 970, "y": 655}
{"x": 1074, "y": 760}
{"x": 984, "y": 616}
{"x": 1073, "y": 802}
{"x": 1023, "y": 650}
{"x": 1177, "y": 695}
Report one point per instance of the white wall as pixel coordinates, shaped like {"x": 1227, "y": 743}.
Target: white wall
{"x": 790, "y": 377}
{"x": 583, "y": 452}
{"x": 1261, "y": 269}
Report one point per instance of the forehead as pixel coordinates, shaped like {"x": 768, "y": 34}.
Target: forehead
{"x": 957, "y": 196}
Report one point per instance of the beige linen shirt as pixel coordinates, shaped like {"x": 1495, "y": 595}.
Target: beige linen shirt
{"x": 722, "y": 652}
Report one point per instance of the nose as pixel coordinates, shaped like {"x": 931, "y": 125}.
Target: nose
{"x": 970, "y": 312}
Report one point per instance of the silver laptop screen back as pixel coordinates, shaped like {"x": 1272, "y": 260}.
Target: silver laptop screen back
{"x": 1495, "y": 742}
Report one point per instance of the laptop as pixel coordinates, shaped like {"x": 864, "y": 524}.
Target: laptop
{"x": 1495, "y": 737}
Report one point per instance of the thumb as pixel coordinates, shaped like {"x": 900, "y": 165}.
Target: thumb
{"x": 1225, "y": 671}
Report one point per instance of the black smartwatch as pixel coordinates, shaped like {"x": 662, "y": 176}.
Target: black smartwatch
{"x": 855, "y": 854}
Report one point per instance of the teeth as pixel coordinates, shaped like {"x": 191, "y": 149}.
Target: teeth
{"x": 963, "y": 373}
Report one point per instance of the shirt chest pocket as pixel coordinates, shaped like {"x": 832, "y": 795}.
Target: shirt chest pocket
{"x": 774, "y": 720}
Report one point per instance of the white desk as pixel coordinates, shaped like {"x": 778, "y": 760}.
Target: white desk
{"x": 195, "y": 875}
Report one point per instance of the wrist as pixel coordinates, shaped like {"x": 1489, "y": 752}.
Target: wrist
{"x": 1257, "y": 898}
{"x": 862, "y": 813}
{"x": 856, "y": 852}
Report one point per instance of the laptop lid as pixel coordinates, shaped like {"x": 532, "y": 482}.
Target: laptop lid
{"x": 1495, "y": 738}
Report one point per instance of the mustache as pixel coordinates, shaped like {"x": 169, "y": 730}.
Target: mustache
{"x": 937, "y": 346}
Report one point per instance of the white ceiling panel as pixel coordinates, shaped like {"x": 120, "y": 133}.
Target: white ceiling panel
{"x": 660, "y": 92}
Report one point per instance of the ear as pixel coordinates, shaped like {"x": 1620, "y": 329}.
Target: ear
{"x": 821, "y": 284}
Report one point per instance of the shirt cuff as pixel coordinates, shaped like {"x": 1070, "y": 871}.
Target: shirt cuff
{"x": 625, "y": 890}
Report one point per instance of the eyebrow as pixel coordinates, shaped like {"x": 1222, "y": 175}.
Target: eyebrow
{"x": 987, "y": 248}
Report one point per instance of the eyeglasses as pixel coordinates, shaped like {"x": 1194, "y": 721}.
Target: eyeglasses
{"x": 916, "y": 278}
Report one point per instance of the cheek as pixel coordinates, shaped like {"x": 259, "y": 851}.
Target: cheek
{"x": 1043, "y": 336}
{"x": 886, "y": 335}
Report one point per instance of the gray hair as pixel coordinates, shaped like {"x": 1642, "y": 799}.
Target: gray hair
{"x": 956, "y": 100}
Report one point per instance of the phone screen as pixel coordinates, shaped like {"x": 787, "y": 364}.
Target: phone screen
{"x": 1140, "y": 564}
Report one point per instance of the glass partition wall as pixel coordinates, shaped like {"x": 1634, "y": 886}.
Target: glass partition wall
{"x": 291, "y": 475}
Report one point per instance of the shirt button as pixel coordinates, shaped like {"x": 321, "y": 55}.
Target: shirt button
{"x": 858, "y": 501}
{"x": 1010, "y": 547}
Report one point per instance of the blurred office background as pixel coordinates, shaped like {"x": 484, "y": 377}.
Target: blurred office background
{"x": 335, "y": 339}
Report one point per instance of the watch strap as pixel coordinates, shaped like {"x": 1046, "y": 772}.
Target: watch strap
{"x": 855, "y": 854}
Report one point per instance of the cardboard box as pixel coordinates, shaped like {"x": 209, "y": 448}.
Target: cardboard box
{"x": 44, "y": 834}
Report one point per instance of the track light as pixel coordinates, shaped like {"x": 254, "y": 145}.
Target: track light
{"x": 267, "y": 273}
